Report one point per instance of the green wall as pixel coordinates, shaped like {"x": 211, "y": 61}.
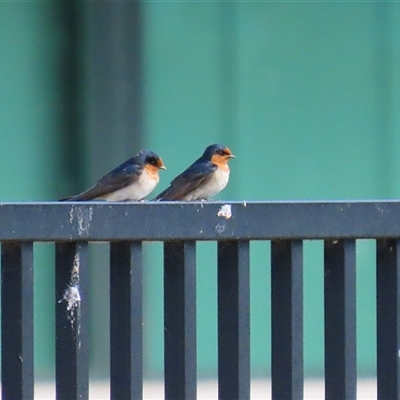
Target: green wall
{"x": 33, "y": 133}
{"x": 305, "y": 95}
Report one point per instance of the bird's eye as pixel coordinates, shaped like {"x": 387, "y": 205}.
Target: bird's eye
{"x": 221, "y": 152}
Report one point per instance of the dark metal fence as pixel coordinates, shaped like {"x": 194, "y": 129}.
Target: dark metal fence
{"x": 179, "y": 225}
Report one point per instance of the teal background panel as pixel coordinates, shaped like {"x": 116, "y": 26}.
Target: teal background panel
{"x": 303, "y": 94}
{"x": 32, "y": 41}
{"x": 306, "y": 95}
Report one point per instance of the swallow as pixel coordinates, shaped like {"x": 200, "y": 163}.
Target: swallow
{"x": 206, "y": 177}
{"x": 133, "y": 180}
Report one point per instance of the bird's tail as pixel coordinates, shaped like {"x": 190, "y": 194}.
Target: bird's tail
{"x": 65, "y": 198}
{"x": 77, "y": 197}
{"x": 163, "y": 196}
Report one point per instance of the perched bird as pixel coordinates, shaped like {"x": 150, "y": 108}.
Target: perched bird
{"x": 206, "y": 177}
{"x": 134, "y": 179}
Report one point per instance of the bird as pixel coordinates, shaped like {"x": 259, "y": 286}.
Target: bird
{"x": 206, "y": 177}
{"x": 132, "y": 180}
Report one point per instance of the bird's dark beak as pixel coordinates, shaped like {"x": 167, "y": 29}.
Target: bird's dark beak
{"x": 231, "y": 156}
{"x": 163, "y": 167}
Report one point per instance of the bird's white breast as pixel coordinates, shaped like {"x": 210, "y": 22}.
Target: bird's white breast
{"x": 135, "y": 191}
{"x": 217, "y": 182}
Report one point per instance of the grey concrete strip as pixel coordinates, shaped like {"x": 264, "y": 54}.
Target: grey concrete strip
{"x": 207, "y": 389}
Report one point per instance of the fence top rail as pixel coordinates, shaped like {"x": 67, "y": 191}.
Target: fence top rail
{"x": 215, "y": 220}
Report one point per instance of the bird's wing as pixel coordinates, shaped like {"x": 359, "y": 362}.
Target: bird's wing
{"x": 120, "y": 177}
{"x": 194, "y": 176}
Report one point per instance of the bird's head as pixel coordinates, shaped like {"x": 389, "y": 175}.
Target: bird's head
{"x": 151, "y": 159}
{"x": 218, "y": 154}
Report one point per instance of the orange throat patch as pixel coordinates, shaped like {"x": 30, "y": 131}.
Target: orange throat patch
{"x": 221, "y": 162}
{"x": 152, "y": 171}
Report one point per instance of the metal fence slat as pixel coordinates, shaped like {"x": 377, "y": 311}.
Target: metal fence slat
{"x": 72, "y": 336}
{"x": 340, "y": 319}
{"x": 126, "y": 321}
{"x": 180, "y": 370}
{"x": 17, "y": 373}
{"x": 286, "y": 220}
{"x": 72, "y": 225}
{"x": 388, "y": 318}
{"x": 287, "y": 319}
{"x": 233, "y": 320}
